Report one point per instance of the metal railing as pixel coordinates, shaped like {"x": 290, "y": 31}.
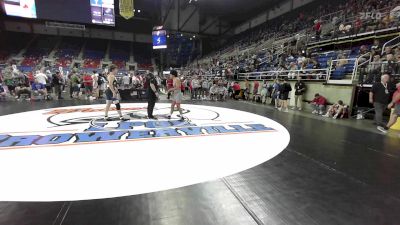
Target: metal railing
{"x": 390, "y": 41}
{"x": 306, "y": 74}
{"x": 374, "y": 70}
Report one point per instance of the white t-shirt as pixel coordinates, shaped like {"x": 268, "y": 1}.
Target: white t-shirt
{"x": 41, "y": 78}
{"x": 126, "y": 80}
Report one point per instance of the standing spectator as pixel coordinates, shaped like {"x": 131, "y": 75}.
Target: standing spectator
{"x": 300, "y": 89}
{"x": 317, "y": 28}
{"x": 74, "y": 85}
{"x": 247, "y": 89}
{"x": 276, "y": 93}
{"x": 39, "y": 89}
{"x": 319, "y": 103}
{"x": 255, "y": 90}
{"x": 284, "y": 95}
{"x": 57, "y": 84}
{"x": 88, "y": 82}
{"x": 126, "y": 81}
{"x": 205, "y": 88}
{"x": 196, "y": 87}
{"x": 96, "y": 85}
{"x": 379, "y": 97}
{"x": 264, "y": 92}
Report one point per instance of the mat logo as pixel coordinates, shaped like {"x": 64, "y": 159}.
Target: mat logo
{"x": 91, "y": 128}
{"x": 132, "y": 130}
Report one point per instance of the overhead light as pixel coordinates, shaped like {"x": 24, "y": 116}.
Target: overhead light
{"x": 181, "y": 35}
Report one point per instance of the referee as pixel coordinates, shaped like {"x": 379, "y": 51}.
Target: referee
{"x": 152, "y": 94}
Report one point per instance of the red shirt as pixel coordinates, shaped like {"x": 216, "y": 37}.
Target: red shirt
{"x": 236, "y": 87}
{"x": 87, "y": 80}
{"x": 319, "y": 100}
{"x": 317, "y": 26}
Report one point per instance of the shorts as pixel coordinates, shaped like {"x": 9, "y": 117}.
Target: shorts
{"x": 11, "y": 88}
{"x": 397, "y": 109}
{"x": 109, "y": 96}
{"x": 177, "y": 97}
{"x": 284, "y": 96}
{"x": 88, "y": 88}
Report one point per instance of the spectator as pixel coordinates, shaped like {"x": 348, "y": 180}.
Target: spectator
{"x": 196, "y": 88}
{"x": 126, "y": 81}
{"x": 395, "y": 103}
{"x": 214, "y": 92}
{"x": 3, "y": 93}
{"x": 335, "y": 110}
{"x": 23, "y": 89}
{"x": 88, "y": 82}
{"x": 236, "y": 90}
{"x": 41, "y": 78}
{"x": 317, "y": 28}
{"x": 222, "y": 91}
{"x": 376, "y": 47}
{"x": 96, "y": 85}
{"x": 205, "y": 87}
{"x": 255, "y": 89}
{"x": 276, "y": 93}
{"x": 264, "y": 92}
{"x": 300, "y": 89}
{"x": 74, "y": 85}
{"x": 319, "y": 103}
{"x": 284, "y": 95}
{"x": 247, "y": 89}
{"x": 379, "y": 97}
{"x": 57, "y": 82}
{"x": 39, "y": 89}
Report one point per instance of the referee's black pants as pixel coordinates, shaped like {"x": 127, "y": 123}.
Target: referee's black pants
{"x": 150, "y": 106}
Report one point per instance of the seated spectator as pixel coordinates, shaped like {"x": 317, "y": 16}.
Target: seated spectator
{"x": 376, "y": 47}
{"x": 222, "y": 92}
{"x": 292, "y": 70}
{"x": 23, "y": 89}
{"x": 336, "y": 110}
{"x": 213, "y": 92}
{"x": 342, "y": 61}
{"x": 39, "y": 89}
{"x": 236, "y": 89}
{"x": 388, "y": 51}
{"x": 318, "y": 103}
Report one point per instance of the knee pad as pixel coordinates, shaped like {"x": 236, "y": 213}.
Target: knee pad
{"x": 118, "y": 106}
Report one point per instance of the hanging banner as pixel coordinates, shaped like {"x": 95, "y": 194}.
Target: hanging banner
{"x": 126, "y": 9}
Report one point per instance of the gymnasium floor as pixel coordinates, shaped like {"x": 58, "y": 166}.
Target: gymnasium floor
{"x": 332, "y": 172}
